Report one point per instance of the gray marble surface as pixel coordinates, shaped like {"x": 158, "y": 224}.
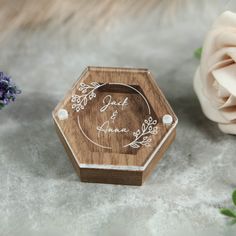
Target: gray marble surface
{"x": 40, "y": 194}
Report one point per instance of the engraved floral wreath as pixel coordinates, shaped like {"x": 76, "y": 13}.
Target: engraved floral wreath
{"x": 87, "y": 90}
{"x": 141, "y": 137}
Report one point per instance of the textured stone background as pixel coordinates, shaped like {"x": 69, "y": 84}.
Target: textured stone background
{"x": 40, "y": 194}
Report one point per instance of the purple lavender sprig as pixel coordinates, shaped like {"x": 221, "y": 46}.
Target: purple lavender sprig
{"x": 8, "y": 90}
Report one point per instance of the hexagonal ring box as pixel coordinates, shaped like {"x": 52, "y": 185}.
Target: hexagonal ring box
{"x": 115, "y": 125}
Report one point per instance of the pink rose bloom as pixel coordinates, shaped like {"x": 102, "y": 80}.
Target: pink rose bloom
{"x": 215, "y": 78}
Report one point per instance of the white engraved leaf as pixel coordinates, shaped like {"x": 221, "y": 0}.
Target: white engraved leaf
{"x": 135, "y": 145}
{"x": 74, "y": 106}
{"x": 95, "y": 84}
{"x": 73, "y": 99}
{"x": 143, "y": 127}
{"x": 141, "y": 135}
{"x": 154, "y": 122}
{"x": 85, "y": 101}
{"x": 80, "y": 101}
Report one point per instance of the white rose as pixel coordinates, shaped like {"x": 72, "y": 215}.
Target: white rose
{"x": 215, "y": 79}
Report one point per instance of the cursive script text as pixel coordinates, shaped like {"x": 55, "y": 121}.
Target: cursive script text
{"x": 109, "y": 101}
{"x": 105, "y": 128}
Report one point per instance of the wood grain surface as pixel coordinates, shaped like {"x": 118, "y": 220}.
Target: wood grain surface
{"x": 86, "y": 153}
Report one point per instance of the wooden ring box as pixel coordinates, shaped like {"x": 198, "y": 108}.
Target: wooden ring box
{"x": 115, "y": 125}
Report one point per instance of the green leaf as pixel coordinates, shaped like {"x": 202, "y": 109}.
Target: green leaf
{"x": 234, "y": 197}
{"x": 198, "y": 53}
{"x": 228, "y": 212}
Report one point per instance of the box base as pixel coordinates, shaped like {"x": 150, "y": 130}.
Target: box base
{"x": 110, "y": 176}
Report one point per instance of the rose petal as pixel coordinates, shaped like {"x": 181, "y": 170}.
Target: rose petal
{"x": 212, "y": 89}
{"x": 226, "y": 19}
{"x": 218, "y": 61}
{"x": 215, "y": 79}
{"x": 231, "y": 102}
{"x": 214, "y": 57}
{"x": 228, "y": 128}
{"x": 221, "y": 91}
{"x": 225, "y": 38}
{"x": 217, "y": 39}
{"x": 209, "y": 110}
{"x": 231, "y": 52}
{"x": 229, "y": 113}
{"x": 226, "y": 77}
